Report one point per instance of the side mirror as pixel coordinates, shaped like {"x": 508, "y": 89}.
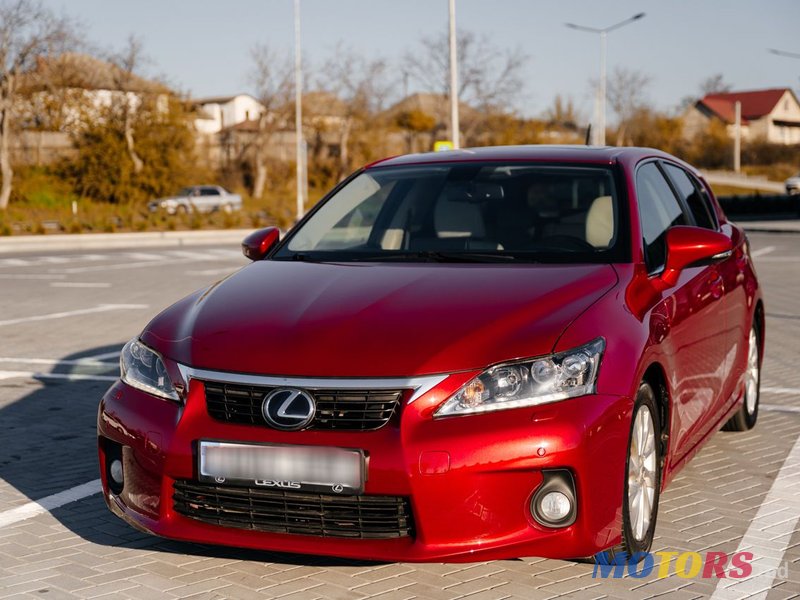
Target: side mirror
{"x": 693, "y": 247}
{"x": 258, "y": 244}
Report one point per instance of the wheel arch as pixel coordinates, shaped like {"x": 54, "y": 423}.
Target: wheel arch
{"x": 656, "y": 376}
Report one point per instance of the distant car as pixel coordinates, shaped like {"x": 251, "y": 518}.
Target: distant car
{"x": 198, "y": 198}
{"x": 793, "y": 185}
{"x": 467, "y": 355}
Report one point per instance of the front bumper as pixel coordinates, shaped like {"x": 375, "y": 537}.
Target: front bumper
{"x": 469, "y": 479}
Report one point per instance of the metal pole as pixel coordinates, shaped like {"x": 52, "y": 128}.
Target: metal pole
{"x": 601, "y": 125}
{"x": 737, "y": 139}
{"x": 298, "y": 112}
{"x": 454, "y": 126}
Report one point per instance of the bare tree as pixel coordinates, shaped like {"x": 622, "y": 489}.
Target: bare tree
{"x": 360, "y": 86}
{"x": 124, "y": 67}
{"x": 272, "y": 78}
{"x": 28, "y": 32}
{"x": 490, "y": 79}
{"x": 626, "y": 96}
{"x": 714, "y": 84}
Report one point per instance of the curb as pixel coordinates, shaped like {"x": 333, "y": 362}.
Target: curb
{"x": 105, "y": 241}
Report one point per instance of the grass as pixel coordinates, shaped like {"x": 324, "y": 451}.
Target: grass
{"x": 40, "y": 205}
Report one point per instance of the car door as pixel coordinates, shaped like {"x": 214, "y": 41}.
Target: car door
{"x": 734, "y": 302}
{"x": 690, "y": 312}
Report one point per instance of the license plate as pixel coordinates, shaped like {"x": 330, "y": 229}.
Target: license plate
{"x": 299, "y": 468}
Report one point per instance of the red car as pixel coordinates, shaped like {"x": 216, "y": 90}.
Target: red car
{"x": 463, "y": 355}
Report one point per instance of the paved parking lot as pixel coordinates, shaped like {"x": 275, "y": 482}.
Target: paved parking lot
{"x": 63, "y": 319}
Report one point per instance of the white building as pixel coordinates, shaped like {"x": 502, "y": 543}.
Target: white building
{"x": 216, "y": 114}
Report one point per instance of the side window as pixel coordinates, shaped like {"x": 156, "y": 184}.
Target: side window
{"x": 696, "y": 200}
{"x": 209, "y": 191}
{"x": 658, "y": 211}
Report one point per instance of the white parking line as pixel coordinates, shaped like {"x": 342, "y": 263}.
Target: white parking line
{"x": 66, "y": 376}
{"x": 31, "y": 276}
{"x": 213, "y": 271}
{"x": 49, "y": 503}
{"x": 779, "y": 408}
{"x": 78, "y": 284}
{"x": 768, "y": 548}
{"x": 762, "y": 251}
{"x": 84, "y": 362}
{"x": 780, "y": 390}
{"x": 84, "y": 311}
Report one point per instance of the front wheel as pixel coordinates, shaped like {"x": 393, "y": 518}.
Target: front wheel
{"x": 642, "y": 481}
{"x": 745, "y": 418}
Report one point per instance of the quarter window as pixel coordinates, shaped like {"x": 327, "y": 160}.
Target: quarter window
{"x": 695, "y": 200}
{"x": 658, "y": 211}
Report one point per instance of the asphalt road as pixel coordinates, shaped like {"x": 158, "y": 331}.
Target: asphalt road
{"x": 63, "y": 319}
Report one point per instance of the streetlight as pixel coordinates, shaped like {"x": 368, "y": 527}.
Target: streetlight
{"x": 298, "y": 113}
{"x": 599, "y": 134}
{"x": 783, "y": 53}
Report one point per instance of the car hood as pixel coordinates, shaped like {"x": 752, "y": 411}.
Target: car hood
{"x": 373, "y": 320}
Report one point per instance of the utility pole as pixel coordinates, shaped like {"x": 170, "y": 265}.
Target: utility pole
{"x": 737, "y": 138}
{"x": 599, "y": 130}
{"x": 454, "y": 125}
{"x": 298, "y": 114}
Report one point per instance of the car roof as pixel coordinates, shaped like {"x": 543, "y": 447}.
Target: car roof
{"x": 537, "y": 153}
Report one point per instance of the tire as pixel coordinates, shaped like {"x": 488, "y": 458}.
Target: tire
{"x": 745, "y": 418}
{"x": 642, "y": 467}
{"x": 181, "y": 210}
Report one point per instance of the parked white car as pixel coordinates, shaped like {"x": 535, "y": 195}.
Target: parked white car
{"x": 793, "y": 185}
{"x": 198, "y": 198}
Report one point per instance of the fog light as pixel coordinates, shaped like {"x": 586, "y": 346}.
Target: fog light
{"x": 115, "y": 470}
{"x": 554, "y": 506}
{"x": 555, "y": 503}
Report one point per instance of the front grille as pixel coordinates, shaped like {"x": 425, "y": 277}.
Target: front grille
{"x": 359, "y": 410}
{"x": 278, "y": 511}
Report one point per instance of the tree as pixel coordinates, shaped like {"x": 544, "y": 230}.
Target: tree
{"x": 103, "y": 169}
{"x": 125, "y": 63}
{"x": 626, "y": 96}
{"x": 28, "y": 32}
{"x": 714, "y": 84}
{"x": 272, "y": 78}
{"x": 360, "y": 86}
{"x": 562, "y": 113}
{"x": 489, "y": 78}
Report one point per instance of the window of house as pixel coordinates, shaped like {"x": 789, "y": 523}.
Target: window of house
{"x": 658, "y": 211}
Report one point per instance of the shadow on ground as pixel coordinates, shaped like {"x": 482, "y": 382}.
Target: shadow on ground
{"x": 48, "y": 443}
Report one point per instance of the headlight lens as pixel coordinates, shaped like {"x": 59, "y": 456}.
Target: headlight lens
{"x": 144, "y": 369}
{"x": 528, "y": 383}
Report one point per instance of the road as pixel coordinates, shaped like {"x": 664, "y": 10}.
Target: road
{"x": 64, "y": 318}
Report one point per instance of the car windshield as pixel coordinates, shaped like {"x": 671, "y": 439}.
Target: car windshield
{"x": 466, "y": 212}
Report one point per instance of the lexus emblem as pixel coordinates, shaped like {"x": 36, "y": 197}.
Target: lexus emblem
{"x": 288, "y": 408}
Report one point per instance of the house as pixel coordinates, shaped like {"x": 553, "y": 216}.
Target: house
{"x": 61, "y": 94}
{"x": 771, "y": 115}
{"x": 217, "y": 113}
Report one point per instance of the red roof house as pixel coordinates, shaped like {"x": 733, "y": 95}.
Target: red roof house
{"x": 772, "y": 115}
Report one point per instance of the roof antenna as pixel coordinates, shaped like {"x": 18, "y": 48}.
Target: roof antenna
{"x": 588, "y": 135}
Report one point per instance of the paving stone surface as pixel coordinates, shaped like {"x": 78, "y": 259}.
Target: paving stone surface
{"x": 80, "y": 550}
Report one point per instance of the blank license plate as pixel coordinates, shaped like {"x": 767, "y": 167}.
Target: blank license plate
{"x": 299, "y": 468}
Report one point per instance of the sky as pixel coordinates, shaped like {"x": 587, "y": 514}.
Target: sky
{"x": 202, "y": 47}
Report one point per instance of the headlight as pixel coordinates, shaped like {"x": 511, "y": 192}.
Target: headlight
{"x": 144, "y": 369}
{"x": 529, "y": 382}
